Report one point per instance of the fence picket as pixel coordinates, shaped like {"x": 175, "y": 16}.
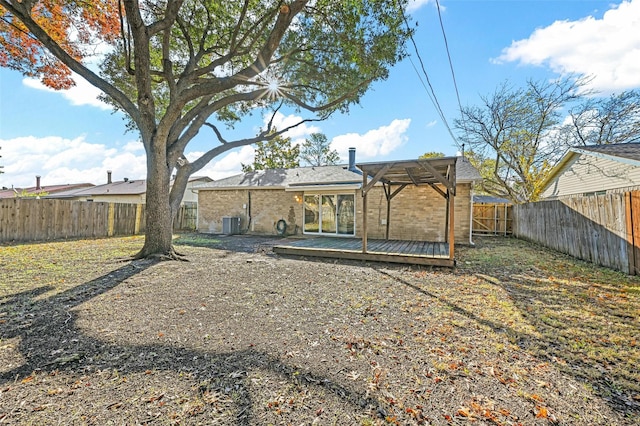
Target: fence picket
{"x": 49, "y": 219}
{"x": 589, "y": 228}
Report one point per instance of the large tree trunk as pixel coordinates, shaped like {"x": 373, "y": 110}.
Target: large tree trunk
{"x": 159, "y": 227}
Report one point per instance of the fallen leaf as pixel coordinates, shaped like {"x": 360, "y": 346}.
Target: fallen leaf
{"x": 353, "y": 375}
{"x": 541, "y": 412}
{"x": 464, "y": 412}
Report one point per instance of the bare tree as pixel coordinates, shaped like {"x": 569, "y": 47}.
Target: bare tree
{"x": 611, "y": 120}
{"x": 515, "y": 131}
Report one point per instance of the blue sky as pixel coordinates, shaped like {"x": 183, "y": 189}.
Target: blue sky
{"x": 69, "y": 137}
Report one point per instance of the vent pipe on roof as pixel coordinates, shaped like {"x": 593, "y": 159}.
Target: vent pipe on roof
{"x": 108, "y": 176}
{"x": 38, "y": 188}
{"x": 352, "y": 159}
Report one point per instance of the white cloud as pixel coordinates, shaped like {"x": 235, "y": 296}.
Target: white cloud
{"x": 133, "y": 146}
{"x": 82, "y": 93}
{"x": 61, "y": 161}
{"x": 228, "y": 164}
{"x": 299, "y": 133}
{"x": 414, "y": 5}
{"x": 607, "y": 49}
{"x": 377, "y": 142}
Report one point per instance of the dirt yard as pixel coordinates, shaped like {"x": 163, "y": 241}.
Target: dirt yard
{"x": 516, "y": 335}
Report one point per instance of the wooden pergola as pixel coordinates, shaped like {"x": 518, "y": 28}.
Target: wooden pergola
{"x": 397, "y": 175}
{"x": 394, "y": 176}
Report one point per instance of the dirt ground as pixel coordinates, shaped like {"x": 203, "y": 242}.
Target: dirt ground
{"x": 515, "y": 335}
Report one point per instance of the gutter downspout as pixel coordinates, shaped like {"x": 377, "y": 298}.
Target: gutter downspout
{"x": 471, "y": 243}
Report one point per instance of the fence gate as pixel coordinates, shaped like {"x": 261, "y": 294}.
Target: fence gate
{"x": 187, "y": 217}
{"x": 632, "y": 206}
{"x": 492, "y": 219}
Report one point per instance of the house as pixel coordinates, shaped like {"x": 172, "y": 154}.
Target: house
{"x": 131, "y": 191}
{"x": 594, "y": 170}
{"x": 328, "y": 201}
{"x": 40, "y": 190}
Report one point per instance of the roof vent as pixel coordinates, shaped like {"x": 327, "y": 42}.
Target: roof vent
{"x": 352, "y": 159}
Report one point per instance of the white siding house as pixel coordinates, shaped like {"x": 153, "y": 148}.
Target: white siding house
{"x": 594, "y": 170}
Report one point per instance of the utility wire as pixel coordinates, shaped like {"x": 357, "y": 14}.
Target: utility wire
{"x": 430, "y": 91}
{"x": 446, "y": 46}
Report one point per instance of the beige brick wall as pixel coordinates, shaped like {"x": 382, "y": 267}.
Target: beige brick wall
{"x": 417, "y": 213}
{"x": 268, "y": 206}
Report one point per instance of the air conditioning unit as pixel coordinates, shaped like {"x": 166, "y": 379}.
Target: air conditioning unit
{"x": 230, "y": 225}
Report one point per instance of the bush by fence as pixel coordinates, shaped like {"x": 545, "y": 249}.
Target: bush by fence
{"x": 598, "y": 229}
{"x": 28, "y": 219}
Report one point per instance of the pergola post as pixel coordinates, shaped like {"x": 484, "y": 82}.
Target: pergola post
{"x": 451, "y": 203}
{"x": 364, "y": 212}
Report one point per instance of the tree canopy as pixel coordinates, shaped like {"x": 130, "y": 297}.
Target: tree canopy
{"x": 276, "y": 153}
{"x": 431, "y": 154}
{"x": 511, "y": 135}
{"x": 316, "y": 151}
{"x": 174, "y": 66}
{"x": 608, "y": 120}
{"x": 517, "y": 134}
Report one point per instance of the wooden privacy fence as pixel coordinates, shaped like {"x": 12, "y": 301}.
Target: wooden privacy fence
{"x": 602, "y": 229}
{"x": 27, "y": 219}
{"x": 492, "y": 218}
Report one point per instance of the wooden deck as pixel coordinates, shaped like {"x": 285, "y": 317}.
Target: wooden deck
{"x": 397, "y": 251}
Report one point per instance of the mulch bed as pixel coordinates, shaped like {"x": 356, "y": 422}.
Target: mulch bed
{"x": 240, "y": 336}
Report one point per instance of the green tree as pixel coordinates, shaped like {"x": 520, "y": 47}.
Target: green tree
{"x": 178, "y": 65}
{"x": 431, "y": 154}
{"x": 275, "y": 153}
{"x": 513, "y": 135}
{"x": 316, "y": 151}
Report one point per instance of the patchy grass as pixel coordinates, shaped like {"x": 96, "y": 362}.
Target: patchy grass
{"x": 59, "y": 264}
{"x": 582, "y": 317}
{"x": 516, "y": 335}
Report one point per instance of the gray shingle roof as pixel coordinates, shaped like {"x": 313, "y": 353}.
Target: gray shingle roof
{"x": 623, "y": 150}
{"x": 322, "y": 175}
{"x": 282, "y": 178}
{"x": 490, "y": 199}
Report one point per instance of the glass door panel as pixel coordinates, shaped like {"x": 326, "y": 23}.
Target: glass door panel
{"x": 346, "y": 214}
{"x": 311, "y": 213}
{"x": 328, "y": 214}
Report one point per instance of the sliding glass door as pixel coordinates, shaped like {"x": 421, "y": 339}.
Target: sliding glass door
{"x": 329, "y": 214}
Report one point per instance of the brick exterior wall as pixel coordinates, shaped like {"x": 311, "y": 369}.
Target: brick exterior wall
{"x": 417, "y": 213}
{"x": 268, "y": 206}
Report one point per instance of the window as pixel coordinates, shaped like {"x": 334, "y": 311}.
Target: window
{"x": 329, "y": 214}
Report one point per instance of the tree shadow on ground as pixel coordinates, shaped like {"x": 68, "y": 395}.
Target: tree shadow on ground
{"x": 581, "y": 345}
{"x": 50, "y": 343}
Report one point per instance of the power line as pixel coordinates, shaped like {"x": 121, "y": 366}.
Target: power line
{"x": 430, "y": 91}
{"x": 446, "y": 46}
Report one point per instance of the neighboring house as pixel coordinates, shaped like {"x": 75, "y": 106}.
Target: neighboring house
{"x": 594, "y": 170}
{"x": 131, "y": 191}
{"x": 40, "y": 190}
{"x": 327, "y": 200}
